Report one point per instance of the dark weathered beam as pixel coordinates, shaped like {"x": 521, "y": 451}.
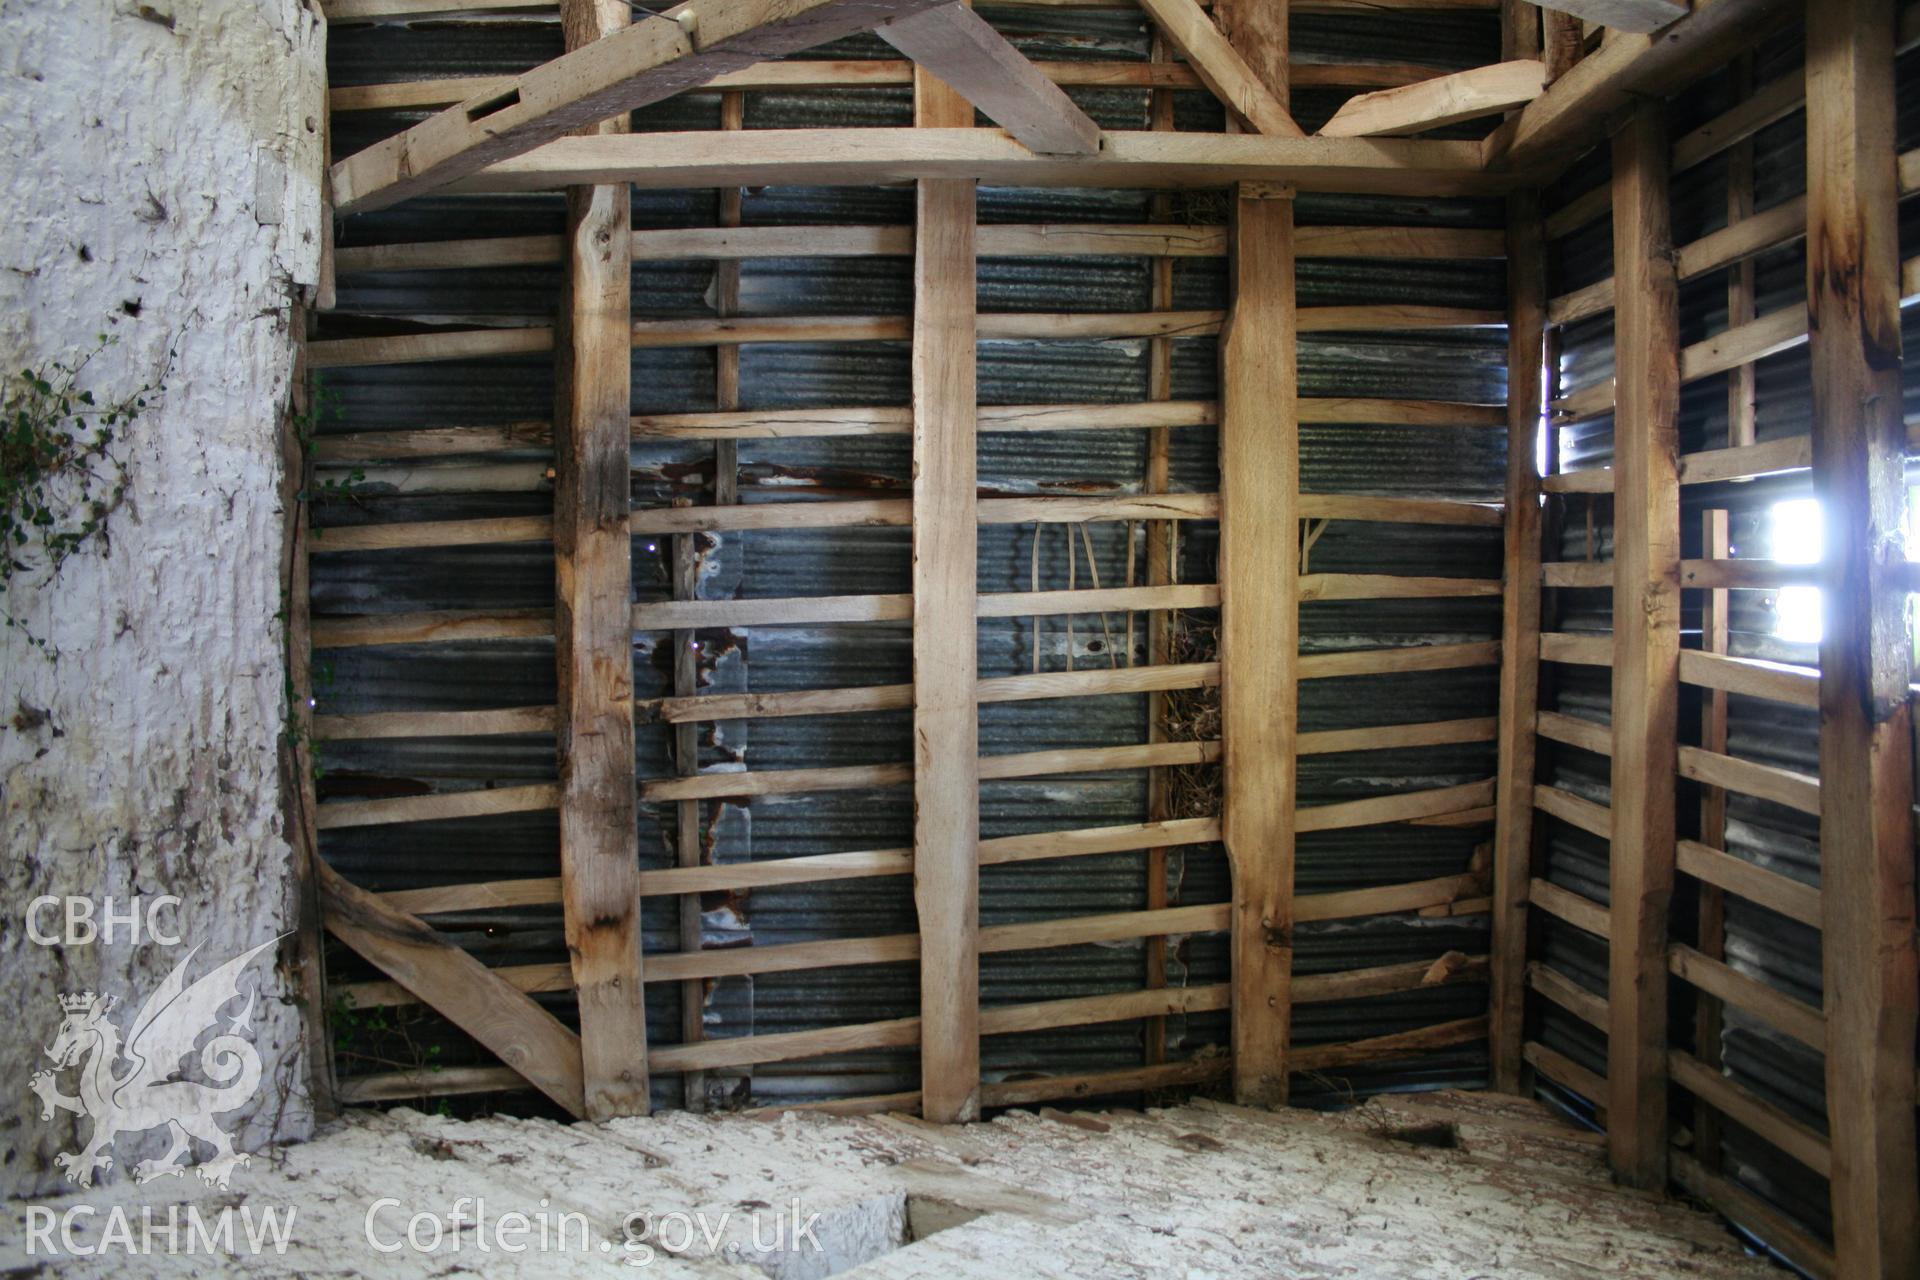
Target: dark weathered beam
{"x": 1646, "y": 654}
{"x": 1259, "y": 634}
{"x": 593, "y": 633}
{"x": 1621, "y": 15}
{"x": 679, "y": 50}
{"x": 1866, "y": 740}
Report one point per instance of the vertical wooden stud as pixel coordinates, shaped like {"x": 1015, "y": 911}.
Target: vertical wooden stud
{"x": 946, "y": 774}
{"x": 1519, "y": 639}
{"x": 1259, "y": 631}
{"x": 593, "y": 628}
{"x": 1646, "y": 617}
{"x": 1866, "y": 741}
{"x": 1161, "y": 552}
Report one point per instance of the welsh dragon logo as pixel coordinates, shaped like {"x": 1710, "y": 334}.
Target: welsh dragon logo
{"x": 150, "y": 1092}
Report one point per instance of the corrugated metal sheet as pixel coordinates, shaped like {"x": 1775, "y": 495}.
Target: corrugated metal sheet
{"x": 1766, "y": 946}
{"x": 1461, "y": 463}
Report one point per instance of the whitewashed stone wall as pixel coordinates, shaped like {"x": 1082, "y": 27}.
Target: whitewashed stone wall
{"x": 159, "y": 162}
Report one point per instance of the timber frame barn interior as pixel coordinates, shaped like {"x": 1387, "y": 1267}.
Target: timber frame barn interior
{"x": 871, "y": 556}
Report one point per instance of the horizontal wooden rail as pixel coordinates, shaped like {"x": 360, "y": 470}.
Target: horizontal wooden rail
{"x": 1769, "y": 889}
{"x": 1025, "y": 764}
{"x": 432, "y": 442}
{"x": 1750, "y": 1111}
{"x": 434, "y": 724}
{"x": 1430, "y": 733}
{"x": 1748, "y": 1211}
{"x": 473, "y": 344}
{"x": 1765, "y": 781}
{"x": 1771, "y": 334}
{"x": 1799, "y": 686}
{"x": 1047, "y": 240}
{"x": 1387, "y": 1048}
{"x": 1782, "y": 224}
{"x": 1413, "y": 657}
{"x": 436, "y": 808}
{"x": 1383, "y": 586}
{"x": 831, "y": 514}
{"x": 1020, "y": 604}
{"x": 1577, "y": 574}
{"x": 1580, "y": 650}
{"x": 1565, "y": 1072}
{"x": 669, "y": 615}
{"x": 1796, "y": 1018}
{"x": 1568, "y": 994}
{"x": 898, "y": 1032}
{"x": 1713, "y": 466}
{"x": 443, "y": 626}
{"x": 1403, "y": 807}
{"x": 1383, "y": 900}
{"x": 1045, "y": 684}
{"x": 1563, "y": 904}
{"x": 1750, "y": 575}
{"x": 816, "y": 868}
{"x": 881, "y": 73}
{"x": 1574, "y": 732}
{"x": 1594, "y": 819}
{"x": 1327, "y": 506}
{"x": 1033, "y": 935}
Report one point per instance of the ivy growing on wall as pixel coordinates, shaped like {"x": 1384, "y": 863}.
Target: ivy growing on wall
{"x": 61, "y": 478}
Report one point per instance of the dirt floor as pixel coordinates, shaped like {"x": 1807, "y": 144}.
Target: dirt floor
{"x": 1450, "y": 1186}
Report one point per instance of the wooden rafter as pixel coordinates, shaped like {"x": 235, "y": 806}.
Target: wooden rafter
{"x": 642, "y": 63}
{"x": 473, "y": 997}
{"x": 1866, "y": 738}
{"x": 1221, "y": 67}
{"x": 956, "y": 45}
{"x": 1259, "y": 633}
{"x": 1443, "y": 100}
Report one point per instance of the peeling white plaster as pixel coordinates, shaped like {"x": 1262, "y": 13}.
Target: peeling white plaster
{"x": 160, "y": 158}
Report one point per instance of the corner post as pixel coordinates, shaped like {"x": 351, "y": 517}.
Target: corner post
{"x": 1646, "y": 656}
{"x": 1519, "y": 639}
{"x": 1866, "y": 733}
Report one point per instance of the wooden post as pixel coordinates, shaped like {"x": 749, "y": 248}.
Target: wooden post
{"x": 1716, "y": 544}
{"x": 593, "y": 630}
{"x": 1712, "y": 915}
{"x": 1162, "y": 555}
{"x": 1866, "y": 741}
{"x": 1519, "y": 638}
{"x": 946, "y": 773}
{"x": 1646, "y": 617}
{"x": 1260, "y": 631}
